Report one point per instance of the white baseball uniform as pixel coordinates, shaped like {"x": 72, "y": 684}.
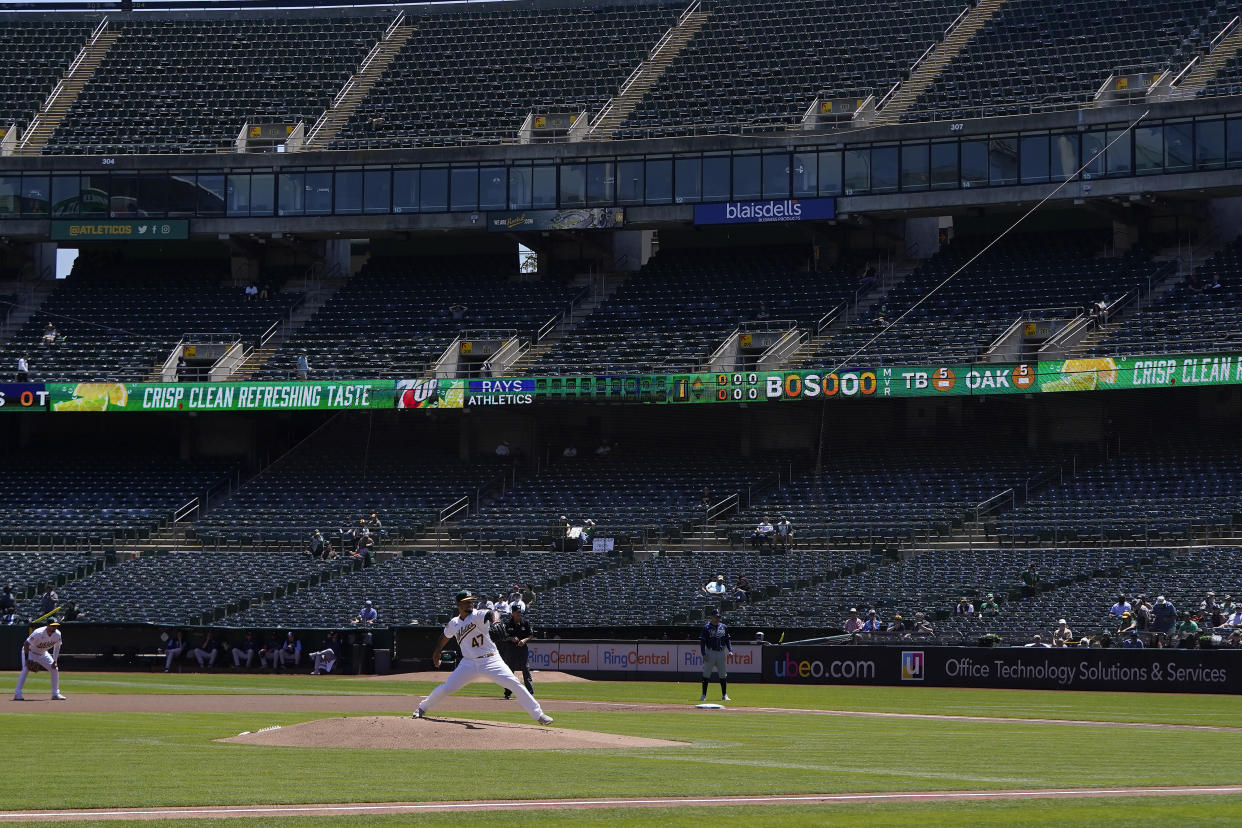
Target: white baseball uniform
{"x": 479, "y": 658}
{"x": 38, "y": 644}
{"x": 325, "y": 660}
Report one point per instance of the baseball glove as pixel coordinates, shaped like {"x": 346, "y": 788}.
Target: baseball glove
{"x": 498, "y": 633}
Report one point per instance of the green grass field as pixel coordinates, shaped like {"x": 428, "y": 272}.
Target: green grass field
{"x": 119, "y": 760}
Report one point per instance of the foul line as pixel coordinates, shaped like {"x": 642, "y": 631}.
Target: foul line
{"x": 543, "y": 804}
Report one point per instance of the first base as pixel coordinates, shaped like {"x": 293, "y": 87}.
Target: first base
{"x": 709, "y": 706}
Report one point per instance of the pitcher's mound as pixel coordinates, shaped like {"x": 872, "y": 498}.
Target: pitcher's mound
{"x": 404, "y": 733}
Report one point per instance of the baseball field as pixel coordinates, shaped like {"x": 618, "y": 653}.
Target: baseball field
{"x": 336, "y": 750}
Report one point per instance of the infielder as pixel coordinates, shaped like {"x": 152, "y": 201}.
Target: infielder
{"x": 471, "y": 629}
{"x": 35, "y": 651}
{"x": 715, "y": 646}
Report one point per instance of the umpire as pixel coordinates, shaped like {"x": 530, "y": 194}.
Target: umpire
{"x": 715, "y": 646}
{"x": 517, "y": 634}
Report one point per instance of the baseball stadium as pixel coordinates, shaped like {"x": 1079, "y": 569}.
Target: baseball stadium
{"x": 628, "y": 412}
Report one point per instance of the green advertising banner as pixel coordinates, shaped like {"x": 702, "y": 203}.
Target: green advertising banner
{"x": 954, "y": 380}
{"x": 120, "y": 229}
{"x": 220, "y": 396}
{"x": 1162, "y": 371}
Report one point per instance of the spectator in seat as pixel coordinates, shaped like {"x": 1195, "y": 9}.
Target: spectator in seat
{"x": 853, "y": 623}
{"x": 603, "y": 449}
{"x": 1214, "y": 619}
{"x": 252, "y": 292}
{"x": 23, "y": 369}
{"x": 1235, "y": 618}
{"x": 1132, "y": 641}
{"x": 1037, "y": 641}
{"x": 896, "y": 625}
{"x": 367, "y": 615}
{"x": 964, "y": 607}
{"x": 7, "y": 601}
{"x": 873, "y": 624}
{"x": 1208, "y": 603}
{"x": 318, "y": 548}
{"x": 457, "y": 311}
{"x": 1164, "y": 615}
{"x": 50, "y": 334}
{"x": 9, "y": 617}
{"x": 989, "y": 608}
{"x": 1142, "y": 612}
{"x": 1126, "y": 623}
{"x": 923, "y": 625}
{"x": 502, "y": 449}
{"x": 715, "y": 588}
{"x": 208, "y": 651}
{"x": 364, "y": 545}
{"x": 763, "y": 534}
{"x": 1086, "y": 642}
{"x": 183, "y": 370}
{"x": 246, "y": 650}
{"x": 173, "y": 648}
{"x": 1030, "y": 578}
{"x": 881, "y": 315}
{"x": 741, "y": 589}
{"x": 303, "y": 367}
{"x": 265, "y": 292}
{"x": 1122, "y": 606}
{"x": 569, "y": 452}
{"x": 784, "y": 534}
{"x": 1062, "y": 635}
{"x": 1187, "y": 632}
{"x": 49, "y": 601}
{"x": 586, "y": 538}
{"x": 72, "y": 613}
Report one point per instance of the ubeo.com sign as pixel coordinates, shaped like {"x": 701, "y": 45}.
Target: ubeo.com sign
{"x": 1154, "y": 670}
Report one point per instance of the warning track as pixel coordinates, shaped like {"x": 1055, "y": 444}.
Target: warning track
{"x": 232, "y": 811}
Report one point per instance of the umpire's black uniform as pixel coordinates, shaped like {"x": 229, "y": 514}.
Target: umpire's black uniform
{"x": 517, "y": 657}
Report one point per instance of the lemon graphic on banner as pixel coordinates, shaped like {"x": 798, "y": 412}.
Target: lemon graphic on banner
{"x": 95, "y": 396}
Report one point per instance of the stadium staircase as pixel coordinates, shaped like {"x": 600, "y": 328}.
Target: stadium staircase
{"x": 318, "y": 292}
{"x": 1207, "y": 66}
{"x": 62, "y": 98}
{"x": 805, "y": 356}
{"x": 359, "y": 85}
{"x": 647, "y": 74}
{"x": 608, "y": 284}
{"x": 1182, "y": 261}
{"x": 926, "y": 70}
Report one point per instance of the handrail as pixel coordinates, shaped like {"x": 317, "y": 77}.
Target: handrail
{"x": 211, "y": 337}
{"x": 269, "y": 333}
{"x": 766, "y": 325}
{"x": 548, "y": 327}
{"x": 1053, "y": 342}
{"x": 828, "y": 318}
{"x": 884, "y": 100}
{"x": 392, "y": 27}
{"x": 185, "y": 510}
{"x": 781, "y": 349}
{"x": 689, "y": 10}
{"x": 1222, "y": 34}
{"x": 958, "y": 20}
{"x": 453, "y": 509}
{"x": 1185, "y": 70}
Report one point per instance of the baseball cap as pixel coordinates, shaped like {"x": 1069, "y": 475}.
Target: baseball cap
{"x": 716, "y": 612}
{"x": 515, "y": 607}
{"x": 464, "y": 595}
{"x": 1159, "y": 599}
{"x": 51, "y": 622}
{"x": 1062, "y": 621}
{"x": 368, "y": 602}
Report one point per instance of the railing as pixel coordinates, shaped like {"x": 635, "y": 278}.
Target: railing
{"x": 548, "y": 327}
{"x": 729, "y": 340}
{"x": 892, "y": 90}
{"x": 449, "y": 512}
{"x": 1222, "y": 34}
{"x": 732, "y": 503}
{"x": 828, "y": 318}
{"x": 780, "y": 350}
{"x": 957, "y": 21}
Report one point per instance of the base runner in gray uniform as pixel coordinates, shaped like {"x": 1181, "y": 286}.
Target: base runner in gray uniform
{"x": 715, "y": 646}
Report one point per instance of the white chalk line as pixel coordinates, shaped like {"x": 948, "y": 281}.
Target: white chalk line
{"x": 538, "y": 804}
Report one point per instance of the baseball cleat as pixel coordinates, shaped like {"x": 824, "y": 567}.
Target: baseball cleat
{"x": 545, "y": 719}
{"x": 419, "y": 714}
{"x": 703, "y": 697}
{"x": 18, "y": 698}
{"x": 59, "y": 697}
{"x": 725, "y": 698}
